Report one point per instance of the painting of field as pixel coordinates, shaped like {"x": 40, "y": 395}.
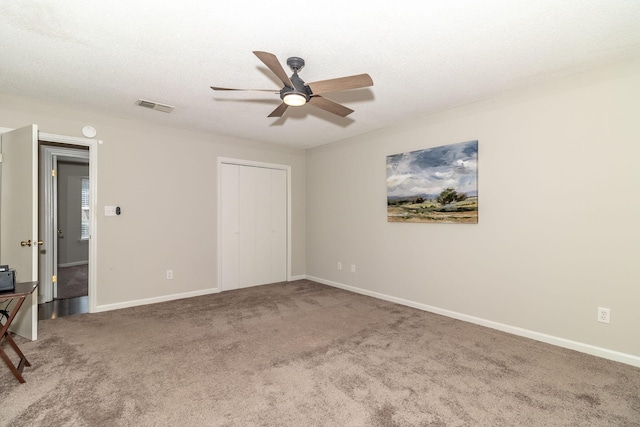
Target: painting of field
{"x": 436, "y": 185}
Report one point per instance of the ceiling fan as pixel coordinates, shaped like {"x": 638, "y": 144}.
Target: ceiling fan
{"x": 296, "y": 92}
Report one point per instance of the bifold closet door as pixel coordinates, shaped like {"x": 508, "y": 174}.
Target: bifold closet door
{"x": 254, "y": 226}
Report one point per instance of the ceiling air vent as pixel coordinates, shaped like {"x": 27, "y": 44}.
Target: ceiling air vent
{"x": 155, "y": 106}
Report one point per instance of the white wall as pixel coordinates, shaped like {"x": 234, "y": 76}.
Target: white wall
{"x": 558, "y": 231}
{"x": 165, "y": 181}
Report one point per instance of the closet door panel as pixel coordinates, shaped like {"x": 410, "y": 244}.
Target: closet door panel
{"x": 230, "y": 229}
{"x": 278, "y": 226}
{"x": 254, "y": 226}
{"x": 263, "y": 202}
{"x": 248, "y": 217}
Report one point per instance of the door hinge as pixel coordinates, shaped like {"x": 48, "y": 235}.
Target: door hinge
{"x": 54, "y": 279}
{"x": 53, "y": 172}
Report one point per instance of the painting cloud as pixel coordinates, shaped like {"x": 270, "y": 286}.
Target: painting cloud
{"x": 430, "y": 171}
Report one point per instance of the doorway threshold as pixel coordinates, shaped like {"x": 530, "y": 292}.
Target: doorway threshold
{"x": 63, "y": 307}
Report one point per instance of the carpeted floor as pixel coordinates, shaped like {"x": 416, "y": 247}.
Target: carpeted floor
{"x": 304, "y": 354}
{"x": 73, "y": 281}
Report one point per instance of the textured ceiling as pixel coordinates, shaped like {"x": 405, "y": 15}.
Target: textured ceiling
{"x": 424, "y": 57}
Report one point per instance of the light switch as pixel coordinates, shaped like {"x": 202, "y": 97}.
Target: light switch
{"x": 110, "y": 211}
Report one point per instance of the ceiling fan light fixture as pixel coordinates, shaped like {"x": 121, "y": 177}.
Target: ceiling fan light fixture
{"x": 294, "y": 99}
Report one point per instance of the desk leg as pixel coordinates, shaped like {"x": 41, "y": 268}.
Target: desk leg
{"x": 16, "y": 348}
{"x": 17, "y": 371}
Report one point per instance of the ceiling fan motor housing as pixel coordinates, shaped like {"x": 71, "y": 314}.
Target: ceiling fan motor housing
{"x": 298, "y": 87}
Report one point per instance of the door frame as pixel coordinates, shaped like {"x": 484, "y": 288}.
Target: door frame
{"x": 49, "y": 156}
{"x": 251, "y": 163}
{"x": 93, "y": 201}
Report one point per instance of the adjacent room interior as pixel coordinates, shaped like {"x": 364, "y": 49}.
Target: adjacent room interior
{"x": 457, "y": 324}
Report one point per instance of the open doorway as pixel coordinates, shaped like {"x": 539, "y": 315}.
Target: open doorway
{"x": 64, "y": 218}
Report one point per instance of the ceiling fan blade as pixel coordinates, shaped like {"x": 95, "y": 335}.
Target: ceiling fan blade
{"x": 254, "y": 90}
{"x": 330, "y": 106}
{"x": 341, "y": 83}
{"x": 279, "y": 111}
{"x": 270, "y": 60}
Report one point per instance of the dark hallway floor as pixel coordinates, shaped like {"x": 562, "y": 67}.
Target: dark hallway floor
{"x": 63, "y": 307}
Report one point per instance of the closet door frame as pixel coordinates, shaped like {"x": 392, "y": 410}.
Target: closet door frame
{"x": 250, "y": 163}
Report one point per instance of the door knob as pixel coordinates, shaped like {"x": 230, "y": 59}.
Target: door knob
{"x": 29, "y": 242}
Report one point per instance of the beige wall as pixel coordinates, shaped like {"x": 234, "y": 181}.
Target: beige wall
{"x": 165, "y": 181}
{"x": 557, "y": 236}
{"x": 558, "y": 231}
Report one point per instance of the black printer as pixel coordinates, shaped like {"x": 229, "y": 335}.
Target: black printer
{"x": 7, "y": 279}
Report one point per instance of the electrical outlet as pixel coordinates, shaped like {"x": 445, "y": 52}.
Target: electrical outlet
{"x": 339, "y": 266}
{"x": 353, "y": 268}
{"x": 604, "y": 315}
{"x": 169, "y": 274}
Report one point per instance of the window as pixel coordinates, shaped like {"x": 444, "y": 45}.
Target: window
{"x": 85, "y": 214}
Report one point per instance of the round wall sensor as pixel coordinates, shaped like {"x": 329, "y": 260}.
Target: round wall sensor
{"x": 89, "y": 131}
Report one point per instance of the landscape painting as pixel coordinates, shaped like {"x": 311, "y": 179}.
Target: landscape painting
{"x": 436, "y": 185}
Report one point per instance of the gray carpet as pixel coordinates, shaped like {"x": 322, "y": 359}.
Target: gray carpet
{"x": 304, "y": 354}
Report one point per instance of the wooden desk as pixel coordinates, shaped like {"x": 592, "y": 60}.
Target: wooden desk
{"x": 22, "y": 291}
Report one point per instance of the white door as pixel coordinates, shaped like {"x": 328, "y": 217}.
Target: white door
{"x": 229, "y": 227}
{"x": 279, "y": 227}
{"x": 19, "y": 218}
{"x": 52, "y": 286}
{"x": 253, "y": 228}
{"x": 48, "y": 223}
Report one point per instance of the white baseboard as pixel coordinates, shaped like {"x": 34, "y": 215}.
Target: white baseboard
{"x": 73, "y": 264}
{"x": 164, "y": 298}
{"x": 605, "y": 353}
